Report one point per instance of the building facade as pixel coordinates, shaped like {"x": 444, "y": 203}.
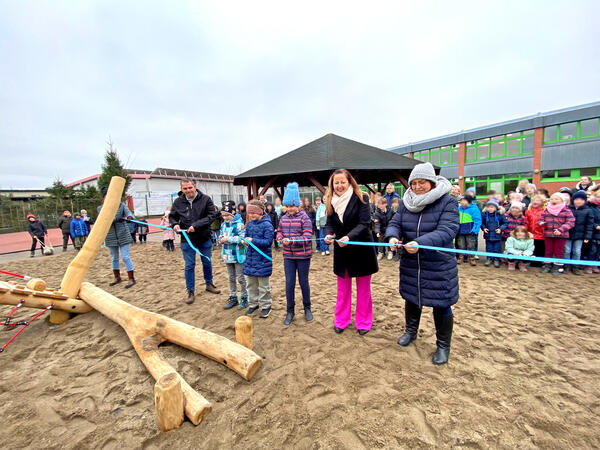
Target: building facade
{"x": 551, "y": 149}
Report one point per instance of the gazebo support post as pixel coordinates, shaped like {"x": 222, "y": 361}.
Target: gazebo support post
{"x": 318, "y": 185}
{"x": 401, "y": 179}
{"x": 267, "y": 186}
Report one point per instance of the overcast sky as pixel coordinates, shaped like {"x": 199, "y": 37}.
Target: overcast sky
{"x": 224, "y": 86}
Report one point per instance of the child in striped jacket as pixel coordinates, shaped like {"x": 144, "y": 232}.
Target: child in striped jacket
{"x": 557, "y": 219}
{"x": 295, "y": 234}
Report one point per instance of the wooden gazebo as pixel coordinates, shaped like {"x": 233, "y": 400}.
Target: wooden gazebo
{"x": 312, "y": 164}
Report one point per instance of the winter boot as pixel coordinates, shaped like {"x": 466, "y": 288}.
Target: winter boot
{"x": 472, "y": 261}
{"x": 496, "y": 263}
{"x": 131, "y": 282}
{"x": 288, "y": 318}
{"x": 557, "y": 270}
{"x": 190, "y": 298}
{"x": 459, "y": 260}
{"x": 231, "y": 302}
{"x": 308, "y": 315}
{"x": 512, "y": 266}
{"x": 443, "y": 332}
{"x": 212, "y": 289}
{"x": 488, "y": 262}
{"x": 117, "y": 274}
{"x": 576, "y": 270}
{"x": 522, "y": 267}
{"x": 412, "y": 316}
{"x": 547, "y": 268}
{"x": 32, "y": 254}
{"x": 243, "y": 302}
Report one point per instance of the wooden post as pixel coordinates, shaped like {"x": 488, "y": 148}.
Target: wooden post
{"x": 35, "y": 284}
{"x": 401, "y": 179}
{"x": 168, "y": 399}
{"x": 318, "y": 185}
{"x": 244, "y": 331}
{"x": 266, "y": 187}
{"x": 80, "y": 265}
{"x": 249, "y": 190}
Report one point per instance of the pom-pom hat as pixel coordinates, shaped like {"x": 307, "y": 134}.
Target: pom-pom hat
{"x": 291, "y": 197}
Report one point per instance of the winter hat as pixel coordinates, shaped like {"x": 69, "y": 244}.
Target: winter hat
{"x": 517, "y": 205}
{"x": 579, "y": 194}
{"x": 424, "y": 171}
{"x": 228, "y": 208}
{"x": 103, "y": 190}
{"x": 255, "y": 207}
{"x": 493, "y": 202}
{"x": 291, "y": 196}
{"x": 467, "y": 198}
{"x": 29, "y": 216}
{"x": 66, "y": 211}
{"x": 565, "y": 190}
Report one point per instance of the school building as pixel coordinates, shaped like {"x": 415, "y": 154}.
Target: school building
{"x": 551, "y": 149}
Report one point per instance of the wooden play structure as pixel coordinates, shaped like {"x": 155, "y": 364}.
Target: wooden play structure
{"x": 146, "y": 330}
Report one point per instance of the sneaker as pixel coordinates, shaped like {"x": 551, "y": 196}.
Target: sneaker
{"x": 231, "y": 302}
{"x": 547, "y": 268}
{"x": 379, "y": 256}
{"x": 264, "y": 313}
{"x": 308, "y": 315}
{"x": 488, "y": 262}
{"x": 288, "y": 318}
{"x": 243, "y": 302}
{"x": 191, "y": 297}
{"x": 327, "y": 252}
{"x": 322, "y": 253}
{"x": 595, "y": 269}
{"x": 390, "y": 256}
{"x": 251, "y": 310}
{"x": 496, "y": 263}
{"x": 212, "y": 289}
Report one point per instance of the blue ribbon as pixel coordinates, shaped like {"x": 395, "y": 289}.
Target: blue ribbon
{"x": 183, "y": 232}
{"x": 257, "y": 249}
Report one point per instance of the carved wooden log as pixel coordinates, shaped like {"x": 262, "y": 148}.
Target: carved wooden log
{"x": 35, "y": 284}
{"x": 69, "y": 305}
{"x": 80, "y": 265}
{"x": 244, "y": 331}
{"x": 168, "y": 399}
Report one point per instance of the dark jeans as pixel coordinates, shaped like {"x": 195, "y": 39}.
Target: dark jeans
{"x": 142, "y": 237}
{"x": 493, "y": 247}
{"x": 594, "y": 253}
{"x": 290, "y": 267}
{"x": 34, "y": 244}
{"x": 539, "y": 249}
{"x": 466, "y": 242}
{"x": 189, "y": 256}
{"x": 66, "y": 237}
{"x": 169, "y": 244}
{"x": 133, "y": 236}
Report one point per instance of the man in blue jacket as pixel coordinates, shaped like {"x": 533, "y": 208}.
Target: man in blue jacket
{"x": 390, "y": 195}
{"x": 193, "y": 212}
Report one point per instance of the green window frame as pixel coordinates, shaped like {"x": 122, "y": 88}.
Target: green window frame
{"x": 445, "y": 156}
{"x": 497, "y": 147}
{"x": 574, "y": 175}
{"x": 552, "y": 137}
{"x": 484, "y": 184}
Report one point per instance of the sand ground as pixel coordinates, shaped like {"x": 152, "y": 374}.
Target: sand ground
{"x": 523, "y": 371}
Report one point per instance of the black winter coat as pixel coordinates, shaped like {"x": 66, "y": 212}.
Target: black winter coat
{"x": 381, "y": 220}
{"x": 36, "y": 228}
{"x": 596, "y": 213}
{"x": 428, "y": 277}
{"x": 357, "y": 260}
{"x": 65, "y": 224}
{"x": 200, "y": 215}
{"x": 584, "y": 223}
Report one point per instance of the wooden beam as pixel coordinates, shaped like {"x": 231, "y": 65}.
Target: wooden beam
{"x": 370, "y": 188}
{"x": 254, "y": 188}
{"x": 401, "y": 179}
{"x": 249, "y": 190}
{"x": 267, "y": 186}
{"x": 278, "y": 192}
{"x": 314, "y": 181}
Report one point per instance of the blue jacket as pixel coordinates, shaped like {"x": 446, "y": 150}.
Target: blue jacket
{"x": 233, "y": 251}
{"x": 596, "y": 214}
{"x": 390, "y": 197}
{"x": 428, "y": 277}
{"x": 469, "y": 219}
{"x": 584, "y": 223}
{"x": 261, "y": 231}
{"x": 78, "y": 228}
{"x": 493, "y": 222}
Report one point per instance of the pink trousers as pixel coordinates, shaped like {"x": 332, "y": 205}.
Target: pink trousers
{"x": 364, "y": 303}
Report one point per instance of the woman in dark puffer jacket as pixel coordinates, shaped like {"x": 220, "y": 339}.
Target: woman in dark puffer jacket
{"x": 427, "y": 215}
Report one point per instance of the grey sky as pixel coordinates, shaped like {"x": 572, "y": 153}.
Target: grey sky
{"x": 223, "y": 86}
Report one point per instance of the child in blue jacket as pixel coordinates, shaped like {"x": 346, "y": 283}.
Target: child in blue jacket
{"x": 493, "y": 224}
{"x": 470, "y": 222}
{"x": 257, "y": 268}
{"x": 79, "y": 231}
{"x": 233, "y": 253}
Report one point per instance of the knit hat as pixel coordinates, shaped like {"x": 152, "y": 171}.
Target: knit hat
{"x": 517, "y": 205}
{"x": 493, "y": 202}
{"x": 291, "y": 196}
{"x": 228, "y": 208}
{"x": 424, "y": 171}
{"x": 255, "y": 207}
{"x": 566, "y": 190}
{"x": 579, "y": 194}
{"x": 29, "y": 216}
{"x": 467, "y": 198}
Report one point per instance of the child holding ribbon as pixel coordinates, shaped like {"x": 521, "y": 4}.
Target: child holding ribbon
{"x": 233, "y": 254}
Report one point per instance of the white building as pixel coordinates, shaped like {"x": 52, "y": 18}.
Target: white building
{"x": 151, "y": 192}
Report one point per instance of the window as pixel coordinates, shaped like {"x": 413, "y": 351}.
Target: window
{"x": 481, "y": 187}
{"x": 513, "y": 147}
{"x": 548, "y": 174}
{"x": 550, "y": 134}
{"x": 240, "y": 198}
{"x": 510, "y": 185}
{"x": 455, "y": 156}
{"x": 568, "y": 131}
{"x": 445, "y": 158}
{"x": 529, "y": 132}
{"x": 587, "y": 172}
{"x": 527, "y": 145}
{"x": 483, "y": 151}
{"x": 588, "y": 128}
{"x": 497, "y": 149}
{"x": 564, "y": 173}
{"x": 470, "y": 153}
{"x": 435, "y": 157}
{"x": 223, "y": 198}
{"x": 497, "y": 186}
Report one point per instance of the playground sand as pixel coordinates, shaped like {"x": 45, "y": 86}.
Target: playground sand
{"x": 523, "y": 371}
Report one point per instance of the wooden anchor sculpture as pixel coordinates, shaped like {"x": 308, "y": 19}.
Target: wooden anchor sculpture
{"x": 146, "y": 330}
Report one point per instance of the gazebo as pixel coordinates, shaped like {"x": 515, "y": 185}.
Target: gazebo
{"x": 312, "y": 164}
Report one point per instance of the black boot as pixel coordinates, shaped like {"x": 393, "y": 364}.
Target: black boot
{"x": 117, "y": 274}
{"x": 131, "y": 280}
{"x": 190, "y": 298}
{"x": 412, "y": 315}
{"x": 443, "y": 332}
{"x": 547, "y": 268}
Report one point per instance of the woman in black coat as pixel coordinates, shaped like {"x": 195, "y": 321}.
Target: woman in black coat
{"x": 427, "y": 215}
{"x": 349, "y": 219}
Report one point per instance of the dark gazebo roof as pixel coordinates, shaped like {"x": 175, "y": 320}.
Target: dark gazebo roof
{"x": 312, "y": 164}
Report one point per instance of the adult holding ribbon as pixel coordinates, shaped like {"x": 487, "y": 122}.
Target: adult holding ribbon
{"x": 349, "y": 219}
{"x": 427, "y": 215}
{"x": 193, "y": 212}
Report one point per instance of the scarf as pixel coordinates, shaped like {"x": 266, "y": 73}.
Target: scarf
{"x": 340, "y": 202}
{"x": 417, "y": 203}
{"x": 555, "y": 209}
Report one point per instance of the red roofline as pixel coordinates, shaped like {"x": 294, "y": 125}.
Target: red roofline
{"x": 152, "y": 175}
{"x": 84, "y": 180}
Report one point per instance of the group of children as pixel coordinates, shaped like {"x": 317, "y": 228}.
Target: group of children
{"x": 557, "y": 227}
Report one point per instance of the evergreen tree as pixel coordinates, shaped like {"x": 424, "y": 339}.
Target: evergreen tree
{"x": 59, "y": 190}
{"x": 112, "y": 167}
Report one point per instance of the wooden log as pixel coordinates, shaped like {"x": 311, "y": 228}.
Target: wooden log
{"x": 80, "y": 265}
{"x": 70, "y": 305}
{"x": 244, "y": 331}
{"x": 36, "y": 284}
{"x": 168, "y": 399}
{"x": 231, "y": 354}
